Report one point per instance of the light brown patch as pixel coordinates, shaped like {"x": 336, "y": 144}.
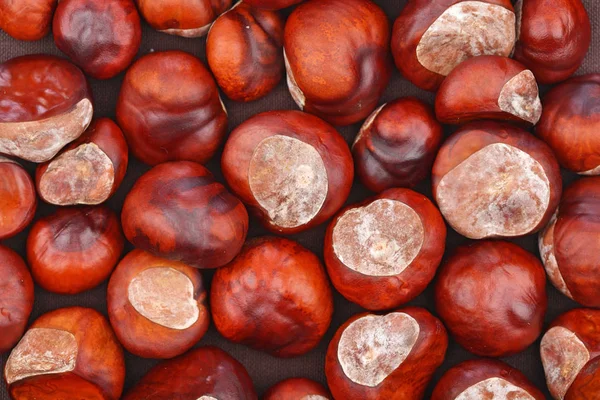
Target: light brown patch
{"x": 189, "y": 33}
{"x": 494, "y": 389}
{"x": 293, "y": 87}
{"x": 546, "y": 246}
{"x": 207, "y": 398}
{"x": 314, "y": 397}
{"x": 367, "y": 125}
{"x": 520, "y": 97}
{"x": 591, "y": 172}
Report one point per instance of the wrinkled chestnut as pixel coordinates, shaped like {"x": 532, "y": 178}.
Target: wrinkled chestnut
{"x": 39, "y": 94}
{"x": 489, "y": 87}
{"x": 169, "y": 109}
{"x": 274, "y": 296}
{"x": 587, "y": 383}
{"x": 18, "y": 199}
{"x": 396, "y": 145}
{"x": 102, "y": 37}
{"x": 74, "y": 249}
{"x": 26, "y": 19}
{"x": 178, "y": 211}
{"x": 336, "y": 57}
{"x": 292, "y": 169}
{"x": 65, "y": 354}
{"x": 87, "y": 171}
{"x": 383, "y": 252}
{"x": 430, "y": 38}
{"x": 391, "y": 356}
{"x": 492, "y": 297}
{"x": 244, "y": 52}
{"x": 297, "y": 389}
{"x": 496, "y": 180}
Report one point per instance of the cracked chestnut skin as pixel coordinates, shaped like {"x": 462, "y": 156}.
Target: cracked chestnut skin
{"x": 272, "y": 4}
{"x": 18, "y": 199}
{"x": 26, "y": 19}
{"x": 296, "y": 389}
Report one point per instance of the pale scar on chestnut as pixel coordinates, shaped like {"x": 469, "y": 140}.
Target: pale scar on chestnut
{"x": 546, "y": 247}
{"x": 494, "y": 389}
{"x": 293, "y": 87}
{"x": 520, "y": 97}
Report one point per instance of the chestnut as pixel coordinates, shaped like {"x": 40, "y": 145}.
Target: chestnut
{"x": 430, "y": 38}
{"x": 178, "y": 211}
{"x": 39, "y": 94}
{"x": 492, "y": 297}
{"x": 87, "y": 171}
{"x": 489, "y": 87}
{"x": 18, "y": 199}
{"x": 274, "y": 296}
{"x": 396, "y": 145}
{"x": 169, "y": 109}
{"x": 292, "y": 169}
{"x": 272, "y": 4}
{"x": 27, "y": 19}
{"x": 587, "y": 383}
{"x": 244, "y": 52}
{"x": 391, "y": 356}
{"x": 383, "y": 252}
{"x": 297, "y": 389}
{"x": 101, "y": 37}
{"x": 496, "y": 180}
{"x": 337, "y": 58}
{"x": 553, "y": 37}
{"x": 74, "y": 249}
{"x": 64, "y": 354}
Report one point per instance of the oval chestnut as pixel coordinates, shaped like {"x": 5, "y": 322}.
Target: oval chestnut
{"x": 587, "y": 383}
{"x": 337, "y": 58}
{"x": 383, "y": 252}
{"x": 293, "y": 170}
{"x": 297, "y": 389}
{"x": 496, "y": 180}
{"x": 27, "y": 19}
{"x": 272, "y": 4}
{"x": 18, "y": 199}
{"x": 274, "y": 296}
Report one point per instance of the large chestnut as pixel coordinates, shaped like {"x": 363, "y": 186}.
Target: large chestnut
{"x": 383, "y": 252}
{"x": 391, "y": 356}
{"x": 297, "y": 389}
{"x": 178, "y": 211}
{"x": 272, "y": 4}
{"x": 46, "y": 103}
{"x": 337, "y": 58}
{"x": 26, "y": 19}
{"x": 292, "y": 169}
{"x": 492, "y": 297}
{"x": 18, "y": 199}
{"x": 274, "y": 296}
{"x": 496, "y": 180}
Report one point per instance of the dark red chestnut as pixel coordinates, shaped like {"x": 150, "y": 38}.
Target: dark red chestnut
{"x": 292, "y": 169}
{"x": 18, "y": 200}
{"x": 26, "y": 19}
{"x": 337, "y": 58}
{"x": 178, "y": 211}
{"x": 297, "y": 389}
{"x": 272, "y": 4}
{"x": 383, "y": 252}
{"x": 274, "y": 296}
{"x": 587, "y": 383}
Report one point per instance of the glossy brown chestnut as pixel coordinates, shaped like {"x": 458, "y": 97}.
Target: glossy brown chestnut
{"x": 244, "y": 52}
{"x": 18, "y": 199}
{"x": 553, "y": 37}
{"x": 102, "y": 37}
{"x": 383, "y": 252}
{"x": 297, "y": 389}
{"x": 587, "y": 384}
{"x": 430, "y": 38}
{"x": 39, "y": 94}
{"x": 496, "y": 180}
{"x": 87, "y": 171}
{"x": 391, "y": 356}
{"x": 489, "y": 87}
{"x": 292, "y": 169}
{"x": 26, "y": 19}
{"x": 67, "y": 352}
{"x": 178, "y": 211}
{"x": 396, "y": 145}
{"x": 74, "y": 249}
{"x": 492, "y": 297}
{"x": 169, "y": 109}
{"x": 274, "y": 296}
{"x": 337, "y": 58}
{"x": 272, "y": 4}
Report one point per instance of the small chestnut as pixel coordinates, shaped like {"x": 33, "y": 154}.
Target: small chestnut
{"x": 587, "y": 383}
{"x": 272, "y": 4}
{"x": 297, "y": 389}
{"x": 274, "y": 296}
{"x": 18, "y": 199}
{"x": 26, "y": 19}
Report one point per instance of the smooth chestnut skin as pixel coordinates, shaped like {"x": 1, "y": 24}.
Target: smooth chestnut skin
{"x": 297, "y": 389}
{"x": 491, "y": 296}
{"x": 102, "y": 37}
{"x": 18, "y": 199}
{"x": 74, "y": 249}
{"x": 244, "y": 52}
{"x": 169, "y": 109}
{"x": 178, "y": 211}
{"x": 587, "y": 383}
{"x": 272, "y": 4}
{"x": 274, "y": 296}
{"x": 337, "y": 58}
{"x": 63, "y": 386}
{"x": 396, "y": 145}
{"x": 26, "y": 19}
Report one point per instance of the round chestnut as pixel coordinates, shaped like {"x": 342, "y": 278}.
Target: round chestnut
{"x": 292, "y": 169}
{"x": 18, "y": 199}
{"x": 74, "y": 249}
{"x": 40, "y": 93}
{"x": 169, "y": 109}
{"x": 87, "y": 171}
{"x": 496, "y": 180}
{"x": 337, "y": 58}
{"x": 492, "y": 297}
{"x": 297, "y": 389}
{"x": 178, "y": 211}
{"x": 430, "y": 38}
{"x": 26, "y": 19}
{"x": 383, "y": 252}
{"x": 272, "y": 4}
{"x": 274, "y": 296}
{"x": 587, "y": 383}
{"x": 396, "y": 145}
{"x": 391, "y": 356}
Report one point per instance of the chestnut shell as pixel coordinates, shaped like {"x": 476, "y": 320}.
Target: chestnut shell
{"x": 18, "y": 198}
{"x": 27, "y": 19}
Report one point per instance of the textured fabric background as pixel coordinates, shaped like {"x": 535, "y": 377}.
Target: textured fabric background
{"x": 266, "y": 370}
